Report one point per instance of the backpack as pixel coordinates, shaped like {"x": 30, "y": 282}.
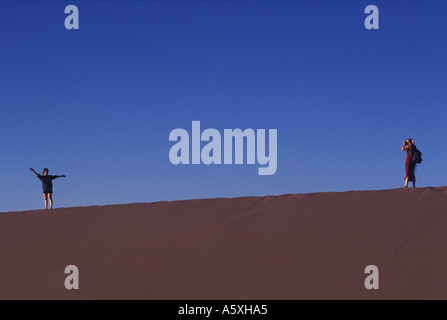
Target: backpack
{"x": 417, "y": 156}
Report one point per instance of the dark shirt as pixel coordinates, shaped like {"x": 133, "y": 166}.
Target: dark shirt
{"x": 47, "y": 182}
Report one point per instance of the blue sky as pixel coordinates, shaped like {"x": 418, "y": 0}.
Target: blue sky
{"x": 98, "y": 103}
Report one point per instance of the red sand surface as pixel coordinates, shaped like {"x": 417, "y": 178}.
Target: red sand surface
{"x": 304, "y": 246}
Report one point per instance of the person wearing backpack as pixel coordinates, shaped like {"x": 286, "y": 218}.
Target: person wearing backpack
{"x": 413, "y": 157}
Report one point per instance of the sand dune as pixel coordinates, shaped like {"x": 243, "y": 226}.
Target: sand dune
{"x": 303, "y": 246}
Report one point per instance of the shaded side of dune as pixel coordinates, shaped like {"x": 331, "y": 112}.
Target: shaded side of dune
{"x": 305, "y": 246}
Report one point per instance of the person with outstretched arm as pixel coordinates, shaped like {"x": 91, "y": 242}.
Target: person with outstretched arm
{"x": 47, "y": 185}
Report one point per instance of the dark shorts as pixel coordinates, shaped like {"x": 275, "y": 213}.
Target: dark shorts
{"x": 48, "y": 191}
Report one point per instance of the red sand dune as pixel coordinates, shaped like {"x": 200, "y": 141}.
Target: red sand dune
{"x": 303, "y": 246}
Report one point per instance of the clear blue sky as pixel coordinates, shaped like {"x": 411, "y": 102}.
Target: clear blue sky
{"x": 98, "y": 103}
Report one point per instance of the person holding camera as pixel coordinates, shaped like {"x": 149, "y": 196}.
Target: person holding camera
{"x": 410, "y": 164}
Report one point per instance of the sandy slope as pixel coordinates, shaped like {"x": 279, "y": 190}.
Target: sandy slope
{"x": 304, "y": 246}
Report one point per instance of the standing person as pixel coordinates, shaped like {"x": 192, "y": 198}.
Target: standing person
{"x": 410, "y": 164}
{"x": 47, "y": 185}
